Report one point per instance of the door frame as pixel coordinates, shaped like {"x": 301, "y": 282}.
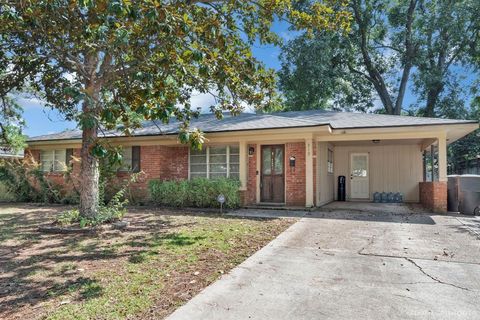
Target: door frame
{"x": 351, "y": 154}
{"x": 260, "y": 172}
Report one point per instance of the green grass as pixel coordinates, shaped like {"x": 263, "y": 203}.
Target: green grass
{"x": 146, "y": 272}
{"x": 124, "y": 293}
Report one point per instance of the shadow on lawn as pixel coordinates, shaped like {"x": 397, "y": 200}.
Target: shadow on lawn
{"x": 36, "y": 267}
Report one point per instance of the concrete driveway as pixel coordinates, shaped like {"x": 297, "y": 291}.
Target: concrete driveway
{"x": 344, "y": 265}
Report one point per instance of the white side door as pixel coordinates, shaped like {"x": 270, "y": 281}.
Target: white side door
{"x": 359, "y": 176}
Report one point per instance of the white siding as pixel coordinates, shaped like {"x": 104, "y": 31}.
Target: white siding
{"x": 325, "y": 180}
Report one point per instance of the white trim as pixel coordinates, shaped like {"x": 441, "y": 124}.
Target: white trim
{"x": 207, "y": 160}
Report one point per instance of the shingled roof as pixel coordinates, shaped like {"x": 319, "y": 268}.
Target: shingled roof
{"x": 251, "y": 121}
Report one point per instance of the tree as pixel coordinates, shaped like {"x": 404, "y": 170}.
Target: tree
{"x": 99, "y": 62}
{"x": 376, "y": 57}
{"x": 389, "y": 42}
{"x": 467, "y": 148}
{"x": 314, "y": 75}
{"x": 11, "y": 122}
{"x": 449, "y": 33}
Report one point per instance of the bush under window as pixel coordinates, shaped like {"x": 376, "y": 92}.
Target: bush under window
{"x": 198, "y": 192}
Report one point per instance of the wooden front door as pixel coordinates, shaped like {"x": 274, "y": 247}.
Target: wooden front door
{"x": 272, "y": 183}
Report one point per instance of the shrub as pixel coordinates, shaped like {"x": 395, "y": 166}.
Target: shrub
{"x": 27, "y": 183}
{"x": 198, "y": 192}
{"x": 5, "y": 194}
{"x": 111, "y": 211}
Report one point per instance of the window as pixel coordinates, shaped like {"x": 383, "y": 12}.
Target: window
{"x": 68, "y": 157}
{"x": 53, "y": 160}
{"x": 215, "y": 161}
{"x": 130, "y": 159}
{"x": 330, "y": 161}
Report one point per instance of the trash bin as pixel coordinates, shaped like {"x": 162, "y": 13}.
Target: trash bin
{"x": 463, "y": 193}
{"x": 341, "y": 188}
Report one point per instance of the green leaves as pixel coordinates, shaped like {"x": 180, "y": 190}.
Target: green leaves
{"x": 124, "y": 61}
{"x": 99, "y": 151}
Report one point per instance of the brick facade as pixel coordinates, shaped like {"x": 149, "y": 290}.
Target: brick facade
{"x": 433, "y": 196}
{"x": 171, "y": 163}
{"x": 156, "y": 162}
{"x": 250, "y": 196}
{"x": 295, "y": 176}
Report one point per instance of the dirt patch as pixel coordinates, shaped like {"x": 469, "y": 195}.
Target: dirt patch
{"x": 161, "y": 260}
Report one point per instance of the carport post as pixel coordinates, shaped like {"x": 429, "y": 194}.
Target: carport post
{"x": 442, "y": 158}
{"x": 309, "y": 172}
{"x": 432, "y": 161}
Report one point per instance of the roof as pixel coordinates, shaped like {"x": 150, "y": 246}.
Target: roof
{"x": 257, "y": 121}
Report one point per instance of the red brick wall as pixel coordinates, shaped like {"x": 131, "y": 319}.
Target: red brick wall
{"x": 250, "y": 196}
{"x": 73, "y": 182}
{"x": 295, "y": 176}
{"x": 433, "y": 196}
{"x": 164, "y": 162}
{"x": 157, "y": 162}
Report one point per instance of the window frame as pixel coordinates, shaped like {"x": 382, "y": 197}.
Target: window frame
{"x": 207, "y": 162}
{"x": 54, "y": 153}
{"x": 330, "y": 167}
{"x": 134, "y": 164}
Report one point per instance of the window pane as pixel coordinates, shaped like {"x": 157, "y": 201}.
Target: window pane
{"x": 278, "y": 161}
{"x": 218, "y": 158}
{"x": 126, "y": 159}
{"x": 198, "y": 168}
{"x": 46, "y": 160}
{"x": 217, "y": 174}
{"x": 234, "y": 168}
{"x": 199, "y": 152}
{"x": 198, "y": 159}
{"x": 60, "y": 160}
{"x": 359, "y": 166}
{"x": 267, "y": 160}
{"x": 234, "y": 158}
{"x": 198, "y": 175}
{"x": 234, "y": 150}
{"x": 218, "y": 150}
{"x": 218, "y": 168}
{"x": 198, "y": 163}
{"x": 47, "y": 166}
{"x": 46, "y": 155}
{"x": 136, "y": 159}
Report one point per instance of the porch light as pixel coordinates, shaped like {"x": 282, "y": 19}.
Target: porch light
{"x": 251, "y": 151}
{"x": 376, "y": 141}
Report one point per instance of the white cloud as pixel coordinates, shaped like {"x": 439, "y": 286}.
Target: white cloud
{"x": 202, "y": 101}
{"x": 30, "y": 101}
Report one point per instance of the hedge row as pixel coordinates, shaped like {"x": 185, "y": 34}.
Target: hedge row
{"x": 198, "y": 192}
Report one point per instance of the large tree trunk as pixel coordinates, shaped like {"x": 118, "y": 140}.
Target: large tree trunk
{"x": 409, "y": 54}
{"x": 432, "y": 98}
{"x": 90, "y": 174}
{"x": 374, "y": 75}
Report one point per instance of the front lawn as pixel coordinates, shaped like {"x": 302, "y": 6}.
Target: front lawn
{"x": 162, "y": 260}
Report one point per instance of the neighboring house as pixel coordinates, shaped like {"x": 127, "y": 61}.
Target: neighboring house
{"x": 5, "y": 153}
{"x": 291, "y": 158}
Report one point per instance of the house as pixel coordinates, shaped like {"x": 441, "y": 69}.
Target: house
{"x": 6, "y": 153}
{"x": 290, "y": 158}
